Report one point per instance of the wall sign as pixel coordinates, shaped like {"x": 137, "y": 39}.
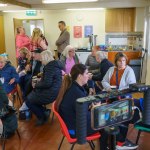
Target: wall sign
{"x": 77, "y": 31}
{"x": 88, "y": 30}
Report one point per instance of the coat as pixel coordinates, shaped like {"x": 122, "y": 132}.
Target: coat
{"x": 3, "y": 97}
{"x": 104, "y": 66}
{"x": 63, "y": 41}
{"x": 67, "y": 108}
{"x": 8, "y": 72}
{"x": 47, "y": 89}
{"x": 22, "y": 41}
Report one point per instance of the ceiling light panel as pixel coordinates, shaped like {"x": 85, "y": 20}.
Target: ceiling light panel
{"x": 66, "y": 1}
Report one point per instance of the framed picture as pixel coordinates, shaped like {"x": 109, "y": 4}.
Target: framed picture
{"x": 77, "y": 31}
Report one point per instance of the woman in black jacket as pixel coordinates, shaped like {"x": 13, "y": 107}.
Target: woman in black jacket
{"x": 46, "y": 90}
{"x": 73, "y": 88}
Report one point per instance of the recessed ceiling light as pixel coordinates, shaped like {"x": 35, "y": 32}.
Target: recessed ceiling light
{"x": 86, "y": 9}
{"x": 66, "y": 1}
{"x": 9, "y": 11}
{"x": 3, "y": 5}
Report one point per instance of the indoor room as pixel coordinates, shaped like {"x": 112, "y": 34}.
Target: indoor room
{"x": 74, "y": 74}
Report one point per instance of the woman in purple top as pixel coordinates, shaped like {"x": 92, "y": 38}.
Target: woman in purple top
{"x": 69, "y": 58}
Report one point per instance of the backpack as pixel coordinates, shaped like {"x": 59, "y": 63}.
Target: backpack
{"x": 10, "y": 125}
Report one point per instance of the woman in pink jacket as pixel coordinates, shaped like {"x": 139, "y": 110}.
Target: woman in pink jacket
{"x": 22, "y": 40}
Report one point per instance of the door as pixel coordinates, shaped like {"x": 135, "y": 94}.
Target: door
{"x": 2, "y": 36}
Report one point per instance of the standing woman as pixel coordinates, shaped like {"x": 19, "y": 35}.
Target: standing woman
{"x": 37, "y": 40}
{"x": 22, "y": 40}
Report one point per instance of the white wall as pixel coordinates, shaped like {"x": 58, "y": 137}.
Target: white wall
{"x": 72, "y": 18}
{"x": 139, "y": 20}
{"x": 51, "y": 18}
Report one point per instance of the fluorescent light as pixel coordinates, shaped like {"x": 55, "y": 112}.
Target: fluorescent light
{"x": 9, "y": 11}
{"x": 66, "y": 1}
{"x": 3, "y": 5}
{"x": 86, "y": 9}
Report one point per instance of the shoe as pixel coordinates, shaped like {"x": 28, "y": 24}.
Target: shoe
{"x": 23, "y": 107}
{"x": 39, "y": 122}
{"x": 47, "y": 114}
{"x": 127, "y": 145}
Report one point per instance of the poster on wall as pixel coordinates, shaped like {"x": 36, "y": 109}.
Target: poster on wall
{"x": 77, "y": 31}
{"x": 88, "y": 30}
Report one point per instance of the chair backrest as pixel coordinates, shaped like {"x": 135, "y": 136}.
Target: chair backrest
{"x": 64, "y": 128}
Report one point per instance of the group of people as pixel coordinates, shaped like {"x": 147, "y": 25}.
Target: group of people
{"x": 64, "y": 80}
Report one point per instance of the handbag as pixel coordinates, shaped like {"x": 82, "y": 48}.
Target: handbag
{"x": 6, "y": 110}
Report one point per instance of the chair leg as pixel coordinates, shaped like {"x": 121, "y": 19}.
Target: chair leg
{"x": 61, "y": 143}
{"x": 72, "y": 146}
{"x": 52, "y": 118}
{"x": 18, "y": 96}
{"x": 138, "y": 136}
{"x": 18, "y": 134}
{"x": 91, "y": 145}
{"x": 13, "y": 99}
{"x": 3, "y": 144}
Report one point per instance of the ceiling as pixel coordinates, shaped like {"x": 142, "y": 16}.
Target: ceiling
{"x": 37, "y": 4}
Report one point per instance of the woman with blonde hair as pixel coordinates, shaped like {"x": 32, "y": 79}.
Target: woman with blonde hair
{"x": 8, "y": 75}
{"x": 37, "y": 40}
{"x": 46, "y": 90}
{"x": 22, "y": 40}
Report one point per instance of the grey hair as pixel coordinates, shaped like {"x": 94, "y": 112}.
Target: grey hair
{"x": 66, "y": 50}
{"x": 46, "y": 56}
{"x": 102, "y": 55}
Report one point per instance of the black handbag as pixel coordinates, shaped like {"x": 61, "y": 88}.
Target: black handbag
{"x": 6, "y": 110}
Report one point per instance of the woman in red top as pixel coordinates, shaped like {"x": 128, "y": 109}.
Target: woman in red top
{"x": 22, "y": 40}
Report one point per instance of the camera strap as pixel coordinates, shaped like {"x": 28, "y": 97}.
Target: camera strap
{"x": 117, "y": 82}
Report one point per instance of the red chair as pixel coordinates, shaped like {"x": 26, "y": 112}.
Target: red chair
{"x": 15, "y": 95}
{"x": 66, "y": 134}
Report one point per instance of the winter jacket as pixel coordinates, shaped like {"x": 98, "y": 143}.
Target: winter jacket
{"x": 63, "y": 41}
{"x": 3, "y": 97}
{"x": 127, "y": 78}
{"x": 22, "y": 41}
{"x": 104, "y": 66}
{"x": 67, "y": 108}
{"x": 47, "y": 89}
{"x": 7, "y": 73}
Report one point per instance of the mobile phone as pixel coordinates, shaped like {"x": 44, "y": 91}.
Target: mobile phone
{"x": 111, "y": 114}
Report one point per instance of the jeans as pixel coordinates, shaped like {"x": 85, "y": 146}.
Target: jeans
{"x": 36, "y": 106}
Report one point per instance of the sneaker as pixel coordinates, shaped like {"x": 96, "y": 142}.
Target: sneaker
{"x": 23, "y": 107}
{"x": 127, "y": 145}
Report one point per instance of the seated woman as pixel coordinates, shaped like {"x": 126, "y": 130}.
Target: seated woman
{"x": 91, "y": 63}
{"x": 73, "y": 88}
{"x": 69, "y": 58}
{"x": 8, "y": 75}
{"x": 46, "y": 90}
{"x": 119, "y": 77}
